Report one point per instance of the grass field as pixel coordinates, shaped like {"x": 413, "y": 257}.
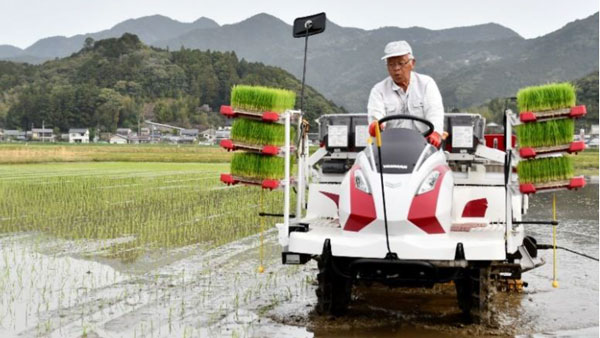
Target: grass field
{"x": 150, "y": 205}
{"x": 586, "y": 162}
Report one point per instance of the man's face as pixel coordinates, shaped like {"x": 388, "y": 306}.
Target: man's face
{"x": 399, "y": 68}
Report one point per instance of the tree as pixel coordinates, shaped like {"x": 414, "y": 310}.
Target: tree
{"x": 88, "y": 44}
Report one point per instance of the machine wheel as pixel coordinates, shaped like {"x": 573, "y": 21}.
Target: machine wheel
{"x": 474, "y": 293}
{"x": 334, "y": 291}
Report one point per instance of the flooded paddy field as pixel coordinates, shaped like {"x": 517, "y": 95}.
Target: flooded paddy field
{"x": 165, "y": 250}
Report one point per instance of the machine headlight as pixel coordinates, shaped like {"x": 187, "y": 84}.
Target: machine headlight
{"x": 360, "y": 182}
{"x": 429, "y": 182}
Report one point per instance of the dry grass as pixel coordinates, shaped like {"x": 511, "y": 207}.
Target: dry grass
{"x": 42, "y": 153}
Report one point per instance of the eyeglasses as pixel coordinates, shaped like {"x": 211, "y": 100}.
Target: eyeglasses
{"x": 398, "y": 63}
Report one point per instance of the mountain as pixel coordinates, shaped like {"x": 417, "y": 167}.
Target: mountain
{"x": 8, "y": 51}
{"x": 114, "y": 82}
{"x": 149, "y": 29}
{"x": 470, "y": 64}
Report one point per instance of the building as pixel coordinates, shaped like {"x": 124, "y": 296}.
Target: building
{"x": 79, "y": 135}
{"x": 137, "y": 139}
{"x": 118, "y": 139}
{"x": 222, "y": 133}
{"x": 209, "y": 135}
{"x": 42, "y": 135}
{"x": 1, "y": 134}
{"x": 14, "y": 135}
{"x": 124, "y": 131}
{"x": 190, "y": 133}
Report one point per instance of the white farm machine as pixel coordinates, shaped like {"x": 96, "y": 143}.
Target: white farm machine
{"x": 408, "y": 214}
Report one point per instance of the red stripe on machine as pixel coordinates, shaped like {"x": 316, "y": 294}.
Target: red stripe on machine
{"x": 332, "y": 196}
{"x": 423, "y": 207}
{"x": 475, "y": 208}
{"x": 362, "y": 207}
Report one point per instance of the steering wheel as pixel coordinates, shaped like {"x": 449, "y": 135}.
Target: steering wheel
{"x": 409, "y": 117}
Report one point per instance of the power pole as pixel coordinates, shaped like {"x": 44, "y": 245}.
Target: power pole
{"x": 43, "y": 131}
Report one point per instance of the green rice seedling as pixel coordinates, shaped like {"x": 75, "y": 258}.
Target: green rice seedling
{"x": 546, "y": 134}
{"x": 545, "y": 170}
{"x": 259, "y": 133}
{"x": 257, "y": 166}
{"x": 546, "y": 97}
{"x": 260, "y": 99}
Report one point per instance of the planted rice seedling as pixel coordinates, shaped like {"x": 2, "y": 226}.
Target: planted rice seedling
{"x": 546, "y": 97}
{"x": 154, "y": 205}
{"x": 259, "y": 133}
{"x": 545, "y": 170}
{"x": 260, "y": 99}
{"x": 546, "y": 134}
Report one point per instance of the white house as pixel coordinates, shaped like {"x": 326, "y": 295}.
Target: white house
{"x": 79, "y": 135}
{"x": 118, "y": 139}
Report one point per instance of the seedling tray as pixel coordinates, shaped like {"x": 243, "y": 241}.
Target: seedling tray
{"x": 532, "y": 188}
{"x": 574, "y": 112}
{"x": 229, "y": 179}
{"x": 230, "y": 145}
{"x": 268, "y": 116}
{"x": 532, "y": 152}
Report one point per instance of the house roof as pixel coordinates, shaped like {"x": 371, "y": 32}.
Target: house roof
{"x": 40, "y": 130}
{"x": 189, "y": 132}
{"x": 9, "y": 132}
{"x": 78, "y": 130}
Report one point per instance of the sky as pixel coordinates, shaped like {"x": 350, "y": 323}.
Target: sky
{"x": 23, "y": 22}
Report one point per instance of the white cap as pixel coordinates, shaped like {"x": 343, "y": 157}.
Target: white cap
{"x": 396, "y": 48}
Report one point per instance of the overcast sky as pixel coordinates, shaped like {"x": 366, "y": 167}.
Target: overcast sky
{"x": 22, "y": 22}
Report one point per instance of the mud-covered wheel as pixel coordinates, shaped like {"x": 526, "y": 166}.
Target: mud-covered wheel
{"x": 334, "y": 291}
{"x": 474, "y": 293}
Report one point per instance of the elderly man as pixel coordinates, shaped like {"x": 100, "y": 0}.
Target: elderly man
{"x": 406, "y": 92}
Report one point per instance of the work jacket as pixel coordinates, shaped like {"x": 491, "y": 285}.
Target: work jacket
{"x": 422, "y": 99}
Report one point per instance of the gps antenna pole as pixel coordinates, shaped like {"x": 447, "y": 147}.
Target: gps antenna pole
{"x": 307, "y": 25}
{"x": 390, "y": 254}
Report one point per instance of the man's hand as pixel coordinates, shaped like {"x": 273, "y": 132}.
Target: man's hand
{"x": 435, "y": 139}
{"x": 372, "y": 127}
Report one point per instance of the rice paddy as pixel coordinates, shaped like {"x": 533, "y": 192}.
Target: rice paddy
{"x": 546, "y": 97}
{"x": 84, "y": 247}
{"x": 156, "y": 205}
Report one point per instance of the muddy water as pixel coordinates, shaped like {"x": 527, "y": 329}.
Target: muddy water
{"x": 202, "y": 292}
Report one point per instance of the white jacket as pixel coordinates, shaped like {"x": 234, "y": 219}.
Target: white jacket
{"x": 423, "y": 99}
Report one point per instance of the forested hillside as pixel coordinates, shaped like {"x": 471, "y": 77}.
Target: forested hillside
{"x": 114, "y": 82}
